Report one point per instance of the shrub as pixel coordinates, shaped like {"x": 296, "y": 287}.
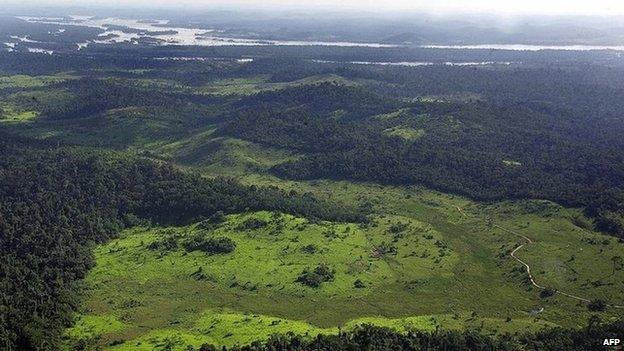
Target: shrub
{"x": 398, "y": 228}
{"x": 597, "y": 305}
{"x": 610, "y": 222}
{"x": 384, "y": 249}
{"x": 207, "y": 347}
{"x": 314, "y": 278}
{"x": 309, "y": 249}
{"x": 253, "y": 223}
{"x": 116, "y": 342}
{"x": 212, "y": 221}
{"x": 167, "y": 243}
{"x": 547, "y": 293}
{"x": 209, "y": 245}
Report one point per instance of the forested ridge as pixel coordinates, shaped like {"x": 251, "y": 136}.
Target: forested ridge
{"x": 479, "y": 149}
{"x": 92, "y": 96}
{"x": 56, "y": 203}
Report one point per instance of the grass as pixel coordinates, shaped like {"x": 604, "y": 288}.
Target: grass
{"x": 511, "y": 163}
{"x": 91, "y": 326}
{"x": 131, "y": 128}
{"x": 35, "y": 100}
{"x": 409, "y": 134}
{"x": 232, "y": 86}
{"x": 237, "y": 86}
{"x": 248, "y": 86}
{"x": 484, "y": 248}
{"x": 401, "y": 113}
{"x": 25, "y": 81}
{"x": 222, "y": 155}
{"x": 269, "y": 260}
{"x": 10, "y": 114}
{"x": 226, "y": 328}
{"x": 26, "y": 105}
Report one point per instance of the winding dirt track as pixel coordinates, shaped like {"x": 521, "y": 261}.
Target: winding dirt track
{"x": 528, "y": 267}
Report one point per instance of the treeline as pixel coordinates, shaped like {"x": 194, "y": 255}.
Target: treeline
{"x": 38, "y": 64}
{"x": 360, "y": 54}
{"x": 372, "y": 338}
{"x": 54, "y": 203}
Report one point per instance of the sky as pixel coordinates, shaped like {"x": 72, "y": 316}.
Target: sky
{"x": 504, "y": 7}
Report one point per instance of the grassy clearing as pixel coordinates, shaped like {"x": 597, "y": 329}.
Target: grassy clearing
{"x": 11, "y": 114}
{"x": 457, "y": 97}
{"x": 186, "y": 298}
{"x": 151, "y": 84}
{"x": 237, "y": 86}
{"x": 565, "y": 256}
{"x": 268, "y": 260}
{"x": 248, "y": 86}
{"x": 568, "y": 255}
{"x": 35, "y": 100}
{"x": 26, "y": 105}
{"x": 221, "y": 155}
{"x": 226, "y": 328}
{"x": 132, "y": 128}
{"x": 401, "y": 113}
{"x": 409, "y": 134}
{"x": 24, "y": 81}
{"x": 232, "y": 86}
{"x": 146, "y": 288}
{"x": 89, "y": 327}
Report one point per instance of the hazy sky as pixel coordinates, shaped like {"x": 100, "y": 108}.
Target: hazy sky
{"x": 582, "y": 7}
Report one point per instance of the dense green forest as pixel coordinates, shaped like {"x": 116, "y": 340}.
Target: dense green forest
{"x": 111, "y": 144}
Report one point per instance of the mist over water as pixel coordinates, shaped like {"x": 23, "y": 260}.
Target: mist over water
{"x": 134, "y": 29}
{"x": 172, "y": 32}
